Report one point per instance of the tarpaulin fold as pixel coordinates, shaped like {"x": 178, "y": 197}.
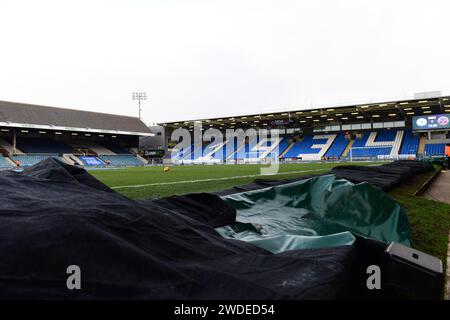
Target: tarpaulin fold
{"x": 295, "y": 215}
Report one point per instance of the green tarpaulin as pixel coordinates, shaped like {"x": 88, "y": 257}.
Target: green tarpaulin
{"x": 322, "y": 211}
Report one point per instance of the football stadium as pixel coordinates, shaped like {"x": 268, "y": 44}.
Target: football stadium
{"x": 362, "y": 181}
{"x": 225, "y": 158}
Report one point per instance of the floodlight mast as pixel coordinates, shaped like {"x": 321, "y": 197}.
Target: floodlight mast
{"x": 139, "y": 96}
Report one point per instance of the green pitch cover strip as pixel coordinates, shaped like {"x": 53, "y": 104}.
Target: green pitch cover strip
{"x": 318, "y": 212}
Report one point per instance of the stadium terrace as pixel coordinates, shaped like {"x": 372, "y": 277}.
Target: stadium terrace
{"x": 403, "y": 129}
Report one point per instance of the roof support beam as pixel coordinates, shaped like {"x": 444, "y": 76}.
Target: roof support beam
{"x": 401, "y": 111}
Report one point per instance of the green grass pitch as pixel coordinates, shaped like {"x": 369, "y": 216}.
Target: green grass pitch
{"x": 153, "y": 182}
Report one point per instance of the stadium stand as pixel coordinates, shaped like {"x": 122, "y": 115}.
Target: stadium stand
{"x": 186, "y": 153}
{"x": 436, "y": 149}
{"x": 372, "y": 144}
{"x": 71, "y": 159}
{"x": 91, "y": 161}
{"x": 31, "y": 133}
{"x": 42, "y": 145}
{"x": 196, "y": 153}
{"x": 272, "y": 148}
{"x": 4, "y": 163}
{"x": 410, "y": 144}
{"x": 227, "y": 150}
{"x": 244, "y": 151}
{"x": 252, "y": 151}
{"x": 213, "y": 151}
{"x": 91, "y": 147}
{"x": 312, "y": 147}
{"x": 295, "y": 150}
{"x": 121, "y": 160}
{"x": 182, "y": 153}
{"x": 375, "y": 144}
{"x": 30, "y": 160}
{"x": 384, "y": 131}
{"x": 49, "y": 117}
{"x": 230, "y": 148}
{"x": 9, "y": 147}
{"x": 284, "y": 144}
{"x": 338, "y": 146}
{"x": 115, "y": 148}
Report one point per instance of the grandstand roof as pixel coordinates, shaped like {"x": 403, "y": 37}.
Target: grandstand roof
{"x": 359, "y": 113}
{"x": 23, "y": 115}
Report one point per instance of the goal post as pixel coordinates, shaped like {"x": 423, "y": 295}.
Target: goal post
{"x": 377, "y": 157}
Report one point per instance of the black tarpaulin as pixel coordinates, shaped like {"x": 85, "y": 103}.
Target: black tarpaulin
{"x": 54, "y": 215}
{"x": 386, "y": 176}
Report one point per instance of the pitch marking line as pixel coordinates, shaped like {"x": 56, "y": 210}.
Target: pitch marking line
{"x": 215, "y": 179}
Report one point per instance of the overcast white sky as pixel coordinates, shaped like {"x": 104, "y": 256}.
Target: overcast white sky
{"x": 208, "y": 58}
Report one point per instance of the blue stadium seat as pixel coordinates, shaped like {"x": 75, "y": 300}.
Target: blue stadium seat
{"x": 410, "y": 144}
{"x": 282, "y": 146}
{"x": 186, "y": 153}
{"x": 437, "y": 149}
{"x": 338, "y": 146}
{"x": 4, "y": 163}
{"x": 222, "y": 153}
{"x": 373, "y": 152}
{"x": 284, "y": 143}
{"x": 210, "y": 147}
{"x": 244, "y": 151}
{"x": 181, "y": 154}
{"x": 386, "y": 135}
{"x": 196, "y": 153}
{"x": 305, "y": 147}
{"x": 229, "y": 149}
{"x": 30, "y": 160}
{"x": 361, "y": 142}
{"x": 121, "y": 160}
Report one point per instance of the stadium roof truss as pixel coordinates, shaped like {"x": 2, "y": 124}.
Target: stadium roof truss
{"x": 371, "y": 112}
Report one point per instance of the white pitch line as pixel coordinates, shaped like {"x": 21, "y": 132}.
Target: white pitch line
{"x": 214, "y": 179}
